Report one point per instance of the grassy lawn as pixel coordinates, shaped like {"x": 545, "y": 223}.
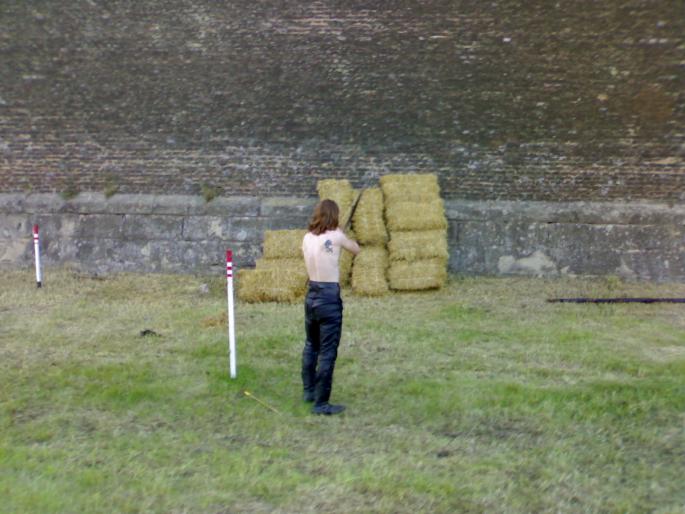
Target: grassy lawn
{"x": 481, "y": 397}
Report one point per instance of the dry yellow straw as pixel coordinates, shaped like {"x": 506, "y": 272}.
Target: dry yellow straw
{"x": 417, "y": 275}
{"x": 250, "y": 395}
{"x": 415, "y": 215}
{"x": 368, "y": 218}
{"x": 410, "y": 187}
{"x": 281, "y": 244}
{"x": 416, "y": 245}
{"x": 342, "y": 193}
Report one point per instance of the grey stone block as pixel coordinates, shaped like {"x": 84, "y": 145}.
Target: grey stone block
{"x": 247, "y": 230}
{"x": 61, "y": 251}
{"x": 14, "y": 226}
{"x": 556, "y": 248}
{"x": 97, "y": 254}
{"x": 12, "y": 203}
{"x": 240, "y": 206}
{"x": 571, "y": 212}
{"x": 130, "y": 204}
{"x": 150, "y": 204}
{"x": 43, "y": 203}
{"x": 86, "y": 203}
{"x": 50, "y": 225}
{"x": 287, "y": 223}
{"x": 199, "y": 228}
{"x": 152, "y": 227}
{"x": 96, "y": 226}
{"x": 16, "y": 252}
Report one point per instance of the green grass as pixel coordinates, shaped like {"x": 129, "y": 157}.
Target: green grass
{"x": 481, "y": 397}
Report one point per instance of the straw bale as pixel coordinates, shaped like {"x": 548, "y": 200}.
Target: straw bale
{"x": 346, "y": 211}
{"x": 249, "y": 285}
{"x": 371, "y": 257}
{"x": 280, "y": 244}
{"x": 418, "y": 275}
{"x": 345, "y": 263}
{"x": 369, "y": 282}
{"x": 368, "y": 221}
{"x": 342, "y": 193}
{"x": 415, "y": 216}
{"x": 271, "y": 285}
{"x": 369, "y": 271}
{"x": 410, "y": 187}
{"x": 293, "y": 264}
{"x": 415, "y": 245}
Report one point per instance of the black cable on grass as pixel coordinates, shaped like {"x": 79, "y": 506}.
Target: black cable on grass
{"x": 616, "y": 300}
{"x": 149, "y": 333}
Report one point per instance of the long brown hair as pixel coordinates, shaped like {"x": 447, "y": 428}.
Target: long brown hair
{"x": 325, "y": 217}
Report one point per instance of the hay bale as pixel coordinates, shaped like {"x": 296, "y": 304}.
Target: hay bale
{"x": 282, "y": 244}
{"x": 342, "y": 193}
{"x": 372, "y": 257}
{"x": 368, "y": 220}
{"x": 417, "y": 275}
{"x": 271, "y": 285}
{"x": 248, "y": 286}
{"x": 369, "y": 271}
{"x": 292, "y": 264}
{"x": 417, "y": 245}
{"x": 410, "y": 187}
{"x": 345, "y": 263}
{"x": 415, "y": 215}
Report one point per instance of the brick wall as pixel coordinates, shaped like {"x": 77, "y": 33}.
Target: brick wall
{"x": 507, "y": 100}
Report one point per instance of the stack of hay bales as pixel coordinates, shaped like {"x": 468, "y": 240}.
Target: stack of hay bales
{"x": 280, "y": 275}
{"x": 415, "y": 217}
{"x": 371, "y": 264}
{"x": 342, "y": 193}
{"x": 401, "y": 229}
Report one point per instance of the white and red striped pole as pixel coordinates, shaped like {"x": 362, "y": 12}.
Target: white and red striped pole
{"x": 231, "y": 318}
{"x": 36, "y": 251}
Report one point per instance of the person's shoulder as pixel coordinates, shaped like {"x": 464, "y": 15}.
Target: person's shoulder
{"x": 337, "y": 233}
{"x": 307, "y": 239}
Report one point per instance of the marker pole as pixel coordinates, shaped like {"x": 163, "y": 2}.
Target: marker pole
{"x": 231, "y": 319}
{"x": 36, "y": 251}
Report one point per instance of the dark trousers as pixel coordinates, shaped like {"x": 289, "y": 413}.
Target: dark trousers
{"x": 323, "y": 309}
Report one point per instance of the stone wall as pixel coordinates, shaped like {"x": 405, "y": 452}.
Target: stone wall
{"x": 166, "y": 233}
{"x": 556, "y": 128}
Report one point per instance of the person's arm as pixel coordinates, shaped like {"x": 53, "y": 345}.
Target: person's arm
{"x": 348, "y": 244}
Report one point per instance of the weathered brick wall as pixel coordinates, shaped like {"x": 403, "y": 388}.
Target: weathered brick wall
{"x": 508, "y": 100}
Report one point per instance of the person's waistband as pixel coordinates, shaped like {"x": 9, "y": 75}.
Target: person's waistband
{"x": 323, "y": 286}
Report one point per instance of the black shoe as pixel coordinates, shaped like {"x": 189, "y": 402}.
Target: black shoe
{"x": 308, "y": 396}
{"x": 327, "y": 409}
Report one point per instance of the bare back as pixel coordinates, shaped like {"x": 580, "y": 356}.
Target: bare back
{"x": 322, "y": 254}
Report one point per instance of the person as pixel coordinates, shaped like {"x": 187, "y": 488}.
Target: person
{"x": 323, "y": 307}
